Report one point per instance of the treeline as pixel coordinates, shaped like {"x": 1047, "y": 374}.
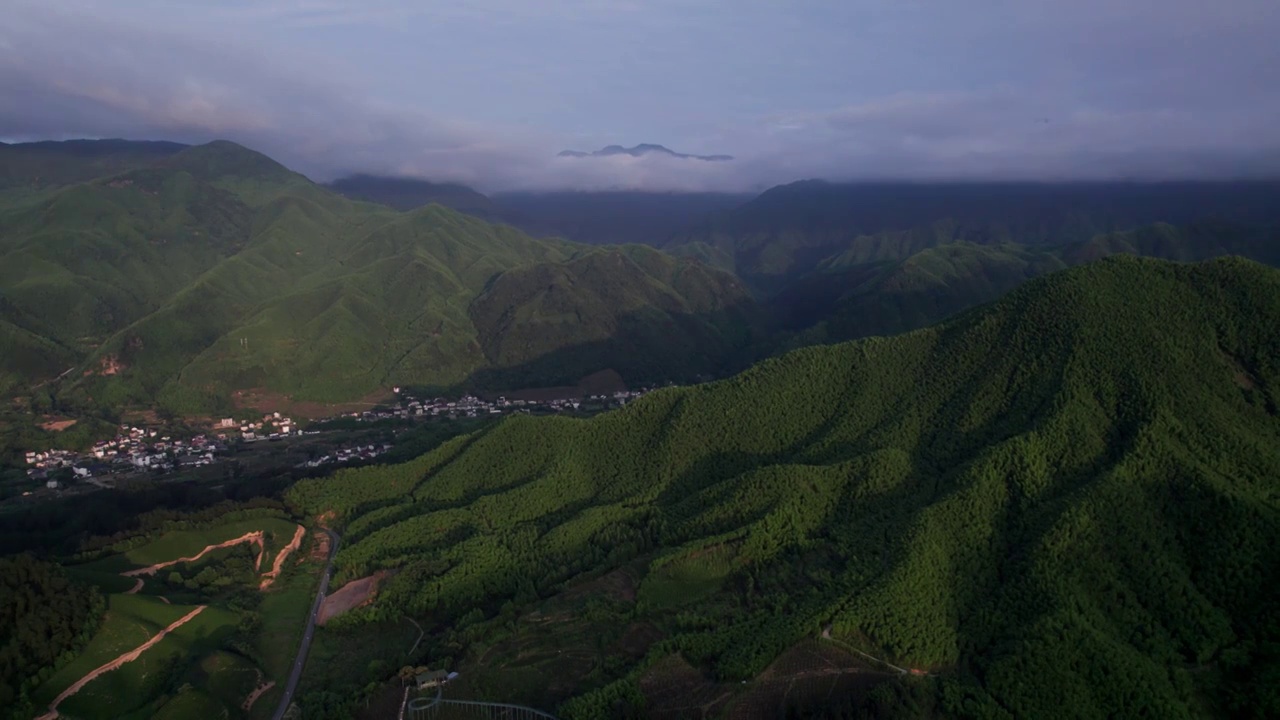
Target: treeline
{"x": 93, "y": 522}
{"x": 45, "y": 619}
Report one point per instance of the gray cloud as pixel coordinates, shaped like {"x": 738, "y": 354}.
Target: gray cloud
{"x": 1048, "y": 91}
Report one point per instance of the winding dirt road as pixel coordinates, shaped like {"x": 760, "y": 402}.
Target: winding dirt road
{"x": 130, "y": 656}
{"x": 254, "y": 537}
{"x": 270, "y": 576}
{"x": 257, "y": 693}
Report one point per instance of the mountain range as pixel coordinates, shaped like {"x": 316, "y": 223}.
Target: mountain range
{"x": 182, "y": 276}
{"x": 163, "y": 275}
{"x": 832, "y": 261}
{"x": 641, "y": 150}
{"x": 978, "y": 451}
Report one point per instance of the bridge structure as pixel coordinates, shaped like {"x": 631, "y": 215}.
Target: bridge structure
{"x": 441, "y": 708}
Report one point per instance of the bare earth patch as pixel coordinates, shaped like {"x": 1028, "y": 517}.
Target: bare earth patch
{"x": 256, "y": 693}
{"x": 57, "y": 425}
{"x": 349, "y": 596}
{"x": 141, "y": 417}
{"x": 130, "y": 656}
{"x": 108, "y": 365}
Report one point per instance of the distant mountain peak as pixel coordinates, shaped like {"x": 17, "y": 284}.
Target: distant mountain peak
{"x": 221, "y": 158}
{"x": 641, "y": 150}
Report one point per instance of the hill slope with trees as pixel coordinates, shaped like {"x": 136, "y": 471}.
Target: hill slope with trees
{"x": 1062, "y": 504}
{"x": 189, "y": 272}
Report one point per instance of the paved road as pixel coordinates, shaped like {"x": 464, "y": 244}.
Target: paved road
{"x": 299, "y": 662}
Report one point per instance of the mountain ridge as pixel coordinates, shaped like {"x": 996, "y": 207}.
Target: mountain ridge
{"x": 215, "y": 268}
{"x": 641, "y": 150}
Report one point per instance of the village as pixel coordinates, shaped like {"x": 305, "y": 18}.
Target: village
{"x": 134, "y": 449}
{"x": 154, "y": 451}
{"x": 470, "y": 406}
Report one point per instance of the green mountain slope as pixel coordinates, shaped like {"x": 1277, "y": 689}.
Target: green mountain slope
{"x": 1063, "y": 504}
{"x": 647, "y": 315}
{"x": 94, "y": 257}
{"x": 214, "y": 269}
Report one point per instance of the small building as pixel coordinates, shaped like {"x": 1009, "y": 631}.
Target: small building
{"x": 431, "y": 679}
{"x": 52, "y": 484}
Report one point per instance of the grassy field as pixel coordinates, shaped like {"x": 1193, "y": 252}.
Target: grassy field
{"x": 284, "y": 613}
{"x": 187, "y": 543}
{"x": 194, "y": 703}
{"x": 225, "y": 676}
{"x": 190, "y": 673}
{"x": 132, "y": 620}
{"x": 107, "y": 582}
{"x": 121, "y": 691}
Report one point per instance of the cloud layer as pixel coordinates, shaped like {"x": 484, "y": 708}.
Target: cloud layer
{"x": 488, "y": 92}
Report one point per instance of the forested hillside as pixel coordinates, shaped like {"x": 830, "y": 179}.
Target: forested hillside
{"x": 183, "y": 274}
{"x": 791, "y": 229}
{"x": 45, "y": 619}
{"x": 846, "y": 298}
{"x": 1063, "y": 504}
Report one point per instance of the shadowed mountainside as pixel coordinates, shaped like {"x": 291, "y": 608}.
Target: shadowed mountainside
{"x": 1061, "y": 504}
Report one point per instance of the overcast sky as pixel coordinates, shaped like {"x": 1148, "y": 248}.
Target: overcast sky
{"x": 488, "y": 91}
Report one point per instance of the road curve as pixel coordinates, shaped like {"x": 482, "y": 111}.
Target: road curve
{"x": 295, "y": 673}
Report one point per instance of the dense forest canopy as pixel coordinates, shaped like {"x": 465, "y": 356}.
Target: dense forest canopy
{"x": 45, "y": 618}
{"x": 1063, "y": 504}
